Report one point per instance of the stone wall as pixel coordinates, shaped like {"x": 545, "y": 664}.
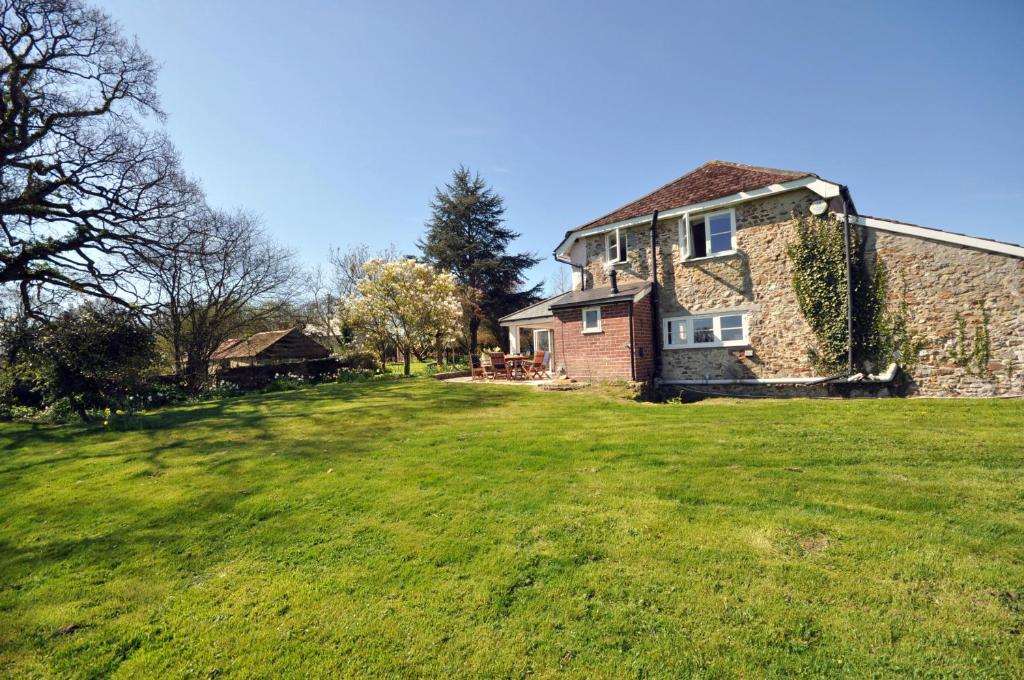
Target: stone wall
{"x": 940, "y": 280}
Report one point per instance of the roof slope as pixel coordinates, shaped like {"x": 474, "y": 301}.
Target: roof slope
{"x": 579, "y": 298}
{"x": 242, "y": 348}
{"x": 538, "y": 310}
{"x": 714, "y": 179}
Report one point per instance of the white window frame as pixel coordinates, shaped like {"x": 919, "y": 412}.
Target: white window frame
{"x": 684, "y": 234}
{"x": 620, "y": 251}
{"x": 667, "y": 334}
{"x": 687, "y": 323}
{"x": 583, "y": 320}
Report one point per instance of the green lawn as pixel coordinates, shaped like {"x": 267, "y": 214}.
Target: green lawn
{"x": 406, "y": 527}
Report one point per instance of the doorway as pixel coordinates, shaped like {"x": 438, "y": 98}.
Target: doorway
{"x": 543, "y": 341}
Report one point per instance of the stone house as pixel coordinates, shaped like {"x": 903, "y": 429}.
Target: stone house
{"x": 691, "y": 285}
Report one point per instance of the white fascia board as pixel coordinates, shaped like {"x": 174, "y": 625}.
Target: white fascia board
{"x": 819, "y": 186}
{"x": 938, "y": 235}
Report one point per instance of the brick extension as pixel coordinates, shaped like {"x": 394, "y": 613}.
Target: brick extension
{"x": 606, "y": 355}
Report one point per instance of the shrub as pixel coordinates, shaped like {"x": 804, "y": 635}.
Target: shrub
{"x": 84, "y": 359}
{"x": 360, "y": 360}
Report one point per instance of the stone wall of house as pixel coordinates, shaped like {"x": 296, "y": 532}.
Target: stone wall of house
{"x": 941, "y": 280}
{"x": 757, "y": 280}
{"x": 596, "y": 356}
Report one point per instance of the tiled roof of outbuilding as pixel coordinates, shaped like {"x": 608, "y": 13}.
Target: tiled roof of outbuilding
{"x": 242, "y": 348}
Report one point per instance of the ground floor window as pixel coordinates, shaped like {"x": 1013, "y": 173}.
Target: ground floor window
{"x": 706, "y": 330}
{"x": 592, "y": 320}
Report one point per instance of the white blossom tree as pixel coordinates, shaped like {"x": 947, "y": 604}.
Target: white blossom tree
{"x": 403, "y": 304}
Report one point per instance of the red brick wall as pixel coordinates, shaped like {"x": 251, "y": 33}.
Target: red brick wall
{"x": 643, "y": 339}
{"x": 605, "y": 355}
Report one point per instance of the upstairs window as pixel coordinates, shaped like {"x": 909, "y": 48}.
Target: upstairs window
{"x": 709, "y": 234}
{"x": 711, "y": 330}
{"x": 615, "y": 246}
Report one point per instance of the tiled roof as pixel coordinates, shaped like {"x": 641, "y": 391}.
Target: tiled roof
{"x": 242, "y": 348}
{"x": 714, "y": 179}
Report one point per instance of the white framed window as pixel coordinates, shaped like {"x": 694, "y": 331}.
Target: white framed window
{"x": 728, "y": 329}
{"x": 676, "y": 333}
{"x": 591, "y": 319}
{"x": 708, "y": 235}
{"x": 615, "y": 246}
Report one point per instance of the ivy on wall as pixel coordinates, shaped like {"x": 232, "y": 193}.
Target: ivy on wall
{"x": 893, "y": 340}
{"x": 880, "y": 331}
{"x": 819, "y": 278}
{"x": 973, "y": 354}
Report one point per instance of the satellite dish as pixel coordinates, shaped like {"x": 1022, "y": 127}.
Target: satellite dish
{"x": 819, "y": 207}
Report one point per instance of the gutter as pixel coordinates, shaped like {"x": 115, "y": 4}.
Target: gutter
{"x": 844, "y": 196}
{"x": 632, "y": 348}
{"x": 747, "y": 381}
{"x": 655, "y": 311}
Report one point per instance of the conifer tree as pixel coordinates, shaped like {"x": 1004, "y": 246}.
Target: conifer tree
{"x": 467, "y": 236}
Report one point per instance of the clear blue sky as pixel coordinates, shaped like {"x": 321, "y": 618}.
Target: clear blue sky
{"x": 335, "y": 121}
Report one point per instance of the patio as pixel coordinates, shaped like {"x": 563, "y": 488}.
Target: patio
{"x": 527, "y": 383}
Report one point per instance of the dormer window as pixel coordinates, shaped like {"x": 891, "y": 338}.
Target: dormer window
{"x": 708, "y": 235}
{"x": 615, "y": 246}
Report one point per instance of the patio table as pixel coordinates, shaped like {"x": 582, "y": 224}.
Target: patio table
{"x": 518, "y": 363}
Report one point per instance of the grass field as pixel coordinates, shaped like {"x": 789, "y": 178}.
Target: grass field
{"x": 411, "y": 528}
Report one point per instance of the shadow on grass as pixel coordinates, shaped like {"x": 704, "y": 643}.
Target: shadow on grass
{"x": 368, "y": 411}
{"x": 189, "y": 533}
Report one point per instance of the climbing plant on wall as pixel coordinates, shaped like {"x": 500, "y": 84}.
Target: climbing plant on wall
{"x": 975, "y": 353}
{"x": 819, "y": 278}
{"x": 880, "y": 331}
{"x": 892, "y": 339}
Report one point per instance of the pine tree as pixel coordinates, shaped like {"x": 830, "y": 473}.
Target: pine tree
{"x": 467, "y": 236}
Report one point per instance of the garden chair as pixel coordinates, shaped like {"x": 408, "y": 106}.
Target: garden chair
{"x": 476, "y": 368}
{"x": 499, "y": 367}
{"x": 538, "y": 369}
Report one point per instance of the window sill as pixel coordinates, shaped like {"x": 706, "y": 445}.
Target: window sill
{"x": 718, "y": 345}
{"x": 592, "y": 331}
{"x": 717, "y": 256}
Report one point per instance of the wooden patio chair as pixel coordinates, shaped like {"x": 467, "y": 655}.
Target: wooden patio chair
{"x": 499, "y": 366}
{"x": 476, "y": 368}
{"x": 538, "y": 369}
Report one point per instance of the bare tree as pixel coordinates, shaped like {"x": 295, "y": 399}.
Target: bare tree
{"x": 232, "y": 278}
{"x": 561, "y": 282}
{"x": 328, "y": 291}
{"x": 322, "y": 307}
{"x": 347, "y": 265}
{"x": 85, "y": 182}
